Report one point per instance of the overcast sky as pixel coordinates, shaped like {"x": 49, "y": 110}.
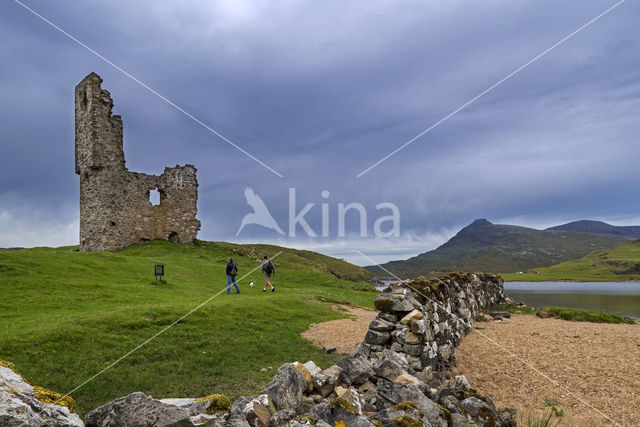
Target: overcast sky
{"x": 319, "y": 91}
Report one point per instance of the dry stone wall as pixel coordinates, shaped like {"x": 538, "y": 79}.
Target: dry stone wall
{"x": 115, "y": 210}
{"x": 425, "y": 319}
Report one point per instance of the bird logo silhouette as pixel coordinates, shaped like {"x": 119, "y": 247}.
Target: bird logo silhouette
{"x": 260, "y": 214}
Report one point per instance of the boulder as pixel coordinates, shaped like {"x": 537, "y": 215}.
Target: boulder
{"x": 461, "y": 382}
{"x": 286, "y": 388}
{"x": 411, "y": 338}
{"x": 410, "y": 379}
{"x": 380, "y": 324}
{"x": 412, "y": 349}
{"x": 259, "y": 410}
{"x": 355, "y": 370}
{"x": 312, "y": 368}
{"x": 325, "y": 381}
{"x": 413, "y": 315}
{"x": 445, "y": 352}
{"x": 306, "y": 374}
{"x": 418, "y": 327}
{"x": 239, "y": 405}
{"x": 395, "y": 302}
{"x": 203, "y": 420}
{"x": 20, "y": 404}
{"x": 386, "y": 416}
{"x": 306, "y": 403}
{"x": 393, "y": 393}
{"x": 141, "y": 410}
{"x": 362, "y": 349}
{"x": 282, "y": 418}
{"x": 388, "y": 317}
{"x": 459, "y": 420}
{"x": 353, "y": 397}
{"x": 376, "y": 337}
{"x": 481, "y": 411}
{"x": 391, "y": 364}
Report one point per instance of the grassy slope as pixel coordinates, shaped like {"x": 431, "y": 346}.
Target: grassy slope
{"x": 66, "y": 315}
{"x": 616, "y": 264}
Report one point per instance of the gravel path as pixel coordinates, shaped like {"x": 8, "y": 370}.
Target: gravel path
{"x": 598, "y": 363}
{"x": 343, "y": 334}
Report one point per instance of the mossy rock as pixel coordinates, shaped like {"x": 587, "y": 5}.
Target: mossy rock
{"x": 219, "y": 403}
{"x": 341, "y": 403}
{"x": 48, "y": 396}
{"x": 377, "y": 423}
{"x": 408, "y": 406}
{"x": 446, "y": 414}
{"x": 406, "y": 421}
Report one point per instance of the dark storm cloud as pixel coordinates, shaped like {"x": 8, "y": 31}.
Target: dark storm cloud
{"x": 320, "y": 91}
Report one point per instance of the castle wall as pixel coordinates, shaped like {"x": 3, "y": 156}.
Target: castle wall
{"x": 115, "y": 210}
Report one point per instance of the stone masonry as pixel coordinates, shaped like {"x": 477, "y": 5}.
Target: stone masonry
{"x": 115, "y": 210}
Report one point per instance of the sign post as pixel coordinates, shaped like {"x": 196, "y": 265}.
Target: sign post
{"x": 159, "y": 271}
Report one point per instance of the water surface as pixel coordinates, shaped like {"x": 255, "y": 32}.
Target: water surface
{"x": 614, "y": 297}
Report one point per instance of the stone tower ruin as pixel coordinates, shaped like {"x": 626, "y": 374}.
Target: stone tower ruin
{"x": 115, "y": 209}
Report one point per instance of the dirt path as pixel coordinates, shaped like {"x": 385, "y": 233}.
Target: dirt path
{"x": 598, "y": 363}
{"x": 343, "y": 334}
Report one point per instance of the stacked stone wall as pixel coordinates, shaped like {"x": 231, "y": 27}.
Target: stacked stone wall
{"x": 425, "y": 319}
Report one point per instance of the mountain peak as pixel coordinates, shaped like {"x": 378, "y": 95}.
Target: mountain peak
{"x": 480, "y": 222}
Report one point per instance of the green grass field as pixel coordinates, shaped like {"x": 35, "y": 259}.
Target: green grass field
{"x": 621, "y": 263}
{"x": 67, "y": 315}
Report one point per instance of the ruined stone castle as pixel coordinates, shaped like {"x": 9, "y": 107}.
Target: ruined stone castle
{"x": 115, "y": 206}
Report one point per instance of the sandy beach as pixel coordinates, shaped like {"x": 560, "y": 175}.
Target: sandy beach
{"x": 597, "y": 367}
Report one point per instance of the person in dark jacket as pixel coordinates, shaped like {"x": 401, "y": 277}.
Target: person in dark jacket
{"x": 268, "y": 269}
{"x": 232, "y": 272}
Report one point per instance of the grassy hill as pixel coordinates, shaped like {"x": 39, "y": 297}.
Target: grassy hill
{"x": 586, "y": 226}
{"x": 67, "y": 315}
{"x": 483, "y": 246}
{"x": 616, "y": 264}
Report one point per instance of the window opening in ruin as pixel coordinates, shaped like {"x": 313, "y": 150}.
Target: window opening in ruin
{"x": 86, "y": 175}
{"x": 113, "y": 223}
{"x": 84, "y": 100}
{"x": 154, "y": 197}
{"x": 173, "y": 237}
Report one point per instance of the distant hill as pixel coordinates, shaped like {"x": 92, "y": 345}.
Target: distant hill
{"x": 620, "y": 263}
{"x": 483, "y": 246}
{"x": 599, "y": 227}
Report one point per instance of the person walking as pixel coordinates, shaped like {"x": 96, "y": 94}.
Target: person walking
{"x": 232, "y": 272}
{"x": 268, "y": 269}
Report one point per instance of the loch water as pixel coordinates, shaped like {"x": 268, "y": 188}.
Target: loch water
{"x": 614, "y": 297}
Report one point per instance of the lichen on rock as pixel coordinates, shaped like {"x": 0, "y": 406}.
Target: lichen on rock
{"x": 218, "y": 403}
{"x": 48, "y": 396}
{"x": 406, "y": 421}
{"x": 340, "y": 403}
